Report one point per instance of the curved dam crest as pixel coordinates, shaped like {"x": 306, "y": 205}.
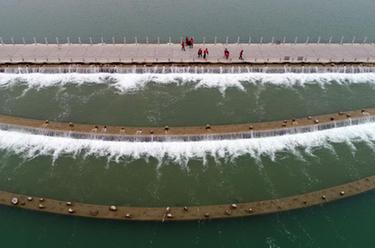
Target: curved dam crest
{"x": 188, "y": 213}
{"x": 189, "y": 134}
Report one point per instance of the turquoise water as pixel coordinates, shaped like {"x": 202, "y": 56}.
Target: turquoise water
{"x": 164, "y": 18}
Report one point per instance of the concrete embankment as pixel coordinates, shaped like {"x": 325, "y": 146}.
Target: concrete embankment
{"x": 164, "y": 54}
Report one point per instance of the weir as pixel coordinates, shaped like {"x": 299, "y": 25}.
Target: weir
{"x": 189, "y": 138}
{"x": 186, "y": 68}
{"x": 186, "y": 134}
{"x": 188, "y": 213}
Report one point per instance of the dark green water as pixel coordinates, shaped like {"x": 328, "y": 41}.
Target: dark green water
{"x": 183, "y": 102}
{"x": 98, "y": 176}
{"x": 122, "y": 178}
{"x": 340, "y": 224}
{"x": 218, "y": 181}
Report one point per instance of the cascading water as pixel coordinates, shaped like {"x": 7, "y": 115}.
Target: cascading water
{"x": 129, "y": 81}
{"x": 31, "y": 145}
{"x": 186, "y": 144}
{"x": 192, "y": 138}
{"x": 188, "y": 69}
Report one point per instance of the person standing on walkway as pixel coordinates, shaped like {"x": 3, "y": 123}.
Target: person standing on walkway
{"x": 200, "y": 53}
{"x": 205, "y": 53}
{"x": 183, "y": 46}
{"x": 241, "y": 55}
{"x": 187, "y": 41}
{"x": 191, "y": 42}
{"x": 226, "y": 53}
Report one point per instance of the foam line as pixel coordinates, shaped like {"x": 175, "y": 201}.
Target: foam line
{"x": 133, "y": 81}
{"x": 29, "y": 145}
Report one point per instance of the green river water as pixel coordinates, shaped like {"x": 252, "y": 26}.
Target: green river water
{"x": 187, "y": 174}
{"x": 101, "y": 174}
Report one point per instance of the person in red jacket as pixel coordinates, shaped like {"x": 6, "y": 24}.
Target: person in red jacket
{"x": 191, "y": 42}
{"x": 205, "y": 53}
{"x": 200, "y": 53}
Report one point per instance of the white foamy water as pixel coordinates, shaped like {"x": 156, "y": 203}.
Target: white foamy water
{"x": 132, "y": 81}
{"x": 29, "y": 145}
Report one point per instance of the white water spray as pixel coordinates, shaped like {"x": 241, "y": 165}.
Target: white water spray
{"x": 133, "y": 81}
{"x": 29, "y": 145}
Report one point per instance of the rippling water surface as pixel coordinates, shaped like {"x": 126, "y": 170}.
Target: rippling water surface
{"x": 186, "y": 173}
{"x": 181, "y": 173}
{"x": 170, "y": 18}
{"x": 182, "y": 99}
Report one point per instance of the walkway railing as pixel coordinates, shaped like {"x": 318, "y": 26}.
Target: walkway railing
{"x": 173, "y": 40}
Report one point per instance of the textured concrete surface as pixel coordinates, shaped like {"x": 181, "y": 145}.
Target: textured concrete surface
{"x": 181, "y": 213}
{"x": 230, "y": 131}
{"x": 162, "y": 53}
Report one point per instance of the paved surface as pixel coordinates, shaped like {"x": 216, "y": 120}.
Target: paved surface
{"x": 162, "y": 53}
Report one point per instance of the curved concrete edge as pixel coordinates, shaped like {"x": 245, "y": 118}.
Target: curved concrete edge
{"x": 44, "y": 65}
{"x": 306, "y": 124}
{"x": 190, "y": 213}
{"x": 191, "y": 68}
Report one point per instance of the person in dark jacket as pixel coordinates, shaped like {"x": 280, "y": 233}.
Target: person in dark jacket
{"x": 241, "y": 55}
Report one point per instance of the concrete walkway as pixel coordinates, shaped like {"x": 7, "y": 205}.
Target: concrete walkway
{"x": 164, "y": 53}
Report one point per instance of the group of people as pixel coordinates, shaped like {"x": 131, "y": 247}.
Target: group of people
{"x": 189, "y": 41}
{"x": 227, "y": 53}
{"x": 202, "y": 53}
